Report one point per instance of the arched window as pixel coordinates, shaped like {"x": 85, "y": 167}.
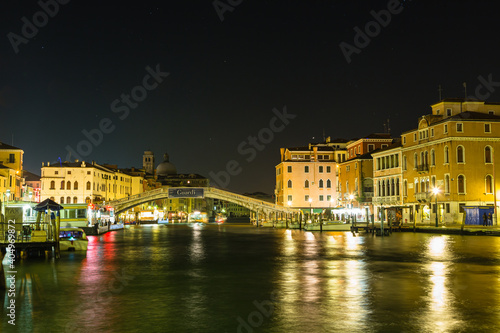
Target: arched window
{"x": 52, "y": 198}
{"x": 460, "y": 154}
{"x": 328, "y": 183}
{"x": 75, "y": 200}
{"x": 75, "y": 186}
{"x": 404, "y": 162}
{"x": 461, "y": 184}
{"x": 426, "y": 158}
{"x": 52, "y": 186}
{"x": 68, "y": 200}
{"x": 489, "y": 184}
{"x": 62, "y": 200}
{"x": 447, "y": 184}
{"x": 289, "y": 183}
{"x": 415, "y": 160}
{"x": 433, "y": 157}
{"x": 68, "y": 185}
{"x": 87, "y": 200}
{"x": 321, "y": 183}
{"x": 397, "y": 186}
{"x": 487, "y": 154}
{"x": 446, "y": 155}
{"x": 383, "y": 188}
{"x": 62, "y": 185}
{"x": 88, "y": 186}
{"x": 393, "y": 190}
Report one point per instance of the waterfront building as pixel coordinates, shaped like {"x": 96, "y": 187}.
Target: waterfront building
{"x": 306, "y": 176}
{"x": 387, "y": 181}
{"x": 11, "y": 172}
{"x": 82, "y": 182}
{"x": 32, "y": 186}
{"x": 355, "y": 175}
{"x": 450, "y": 159}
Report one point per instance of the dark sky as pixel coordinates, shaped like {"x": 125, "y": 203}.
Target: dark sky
{"x": 226, "y": 77}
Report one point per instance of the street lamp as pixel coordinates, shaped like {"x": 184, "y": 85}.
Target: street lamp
{"x": 435, "y": 190}
{"x": 310, "y": 207}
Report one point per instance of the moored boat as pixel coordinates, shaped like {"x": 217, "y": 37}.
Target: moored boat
{"x": 72, "y": 239}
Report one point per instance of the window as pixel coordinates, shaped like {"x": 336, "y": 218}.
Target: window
{"x": 321, "y": 169}
{"x": 414, "y": 137}
{"x": 405, "y": 188}
{"x": 75, "y": 200}
{"x": 489, "y": 184}
{"x": 68, "y": 185}
{"x": 487, "y": 128}
{"x": 306, "y": 169}
{"x": 62, "y": 185}
{"x": 321, "y": 198}
{"x": 348, "y": 168}
{"x": 461, "y": 207}
{"x": 445, "y": 128}
{"x": 487, "y": 154}
{"x": 306, "y": 184}
{"x": 328, "y": 183}
{"x": 321, "y": 183}
{"x": 432, "y": 132}
{"x": 460, "y": 154}
{"x": 438, "y": 111}
{"x": 328, "y": 198}
{"x": 12, "y": 158}
{"x": 446, "y": 155}
{"x": 461, "y": 184}
{"x": 68, "y": 200}
{"x": 88, "y": 172}
{"x": 356, "y": 165}
{"x": 433, "y": 181}
{"x": 415, "y": 160}
{"x": 404, "y": 140}
{"x": 447, "y": 183}
{"x": 56, "y": 172}
{"x": 62, "y": 200}
{"x": 447, "y": 205}
{"x": 88, "y": 186}
{"x": 404, "y": 163}
{"x": 52, "y": 185}
{"x": 69, "y": 172}
{"x": 371, "y": 147}
{"x": 289, "y": 198}
{"x": 356, "y": 184}
{"x": 433, "y": 157}
{"x": 289, "y": 183}
{"x": 328, "y": 169}
{"x": 289, "y": 169}
{"x": 491, "y": 112}
{"x": 75, "y": 186}
{"x": 460, "y": 127}
{"x": 384, "y": 146}
{"x": 448, "y": 112}
{"x": 306, "y": 198}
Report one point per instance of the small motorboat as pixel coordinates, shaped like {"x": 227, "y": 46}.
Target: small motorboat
{"x": 72, "y": 239}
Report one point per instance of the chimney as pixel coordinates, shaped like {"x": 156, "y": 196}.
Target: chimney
{"x": 48, "y": 163}
{"x": 43, "y": 164}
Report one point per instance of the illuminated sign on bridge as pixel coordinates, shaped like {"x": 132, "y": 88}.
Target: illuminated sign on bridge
{"x": 187, "y": 192}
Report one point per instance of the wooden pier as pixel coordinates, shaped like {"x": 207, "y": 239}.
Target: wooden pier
{"x": 375, "y": 229}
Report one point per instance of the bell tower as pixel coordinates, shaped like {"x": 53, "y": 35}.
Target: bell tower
{"x": 148, "y": 161}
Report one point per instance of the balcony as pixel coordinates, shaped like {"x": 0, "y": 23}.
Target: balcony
{"x": 423, "y": 168}
{"x": 423, "y": 196}
{"x": 390, "y": 200}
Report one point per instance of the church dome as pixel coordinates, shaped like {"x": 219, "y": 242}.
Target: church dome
{"x": 166, "y": 168}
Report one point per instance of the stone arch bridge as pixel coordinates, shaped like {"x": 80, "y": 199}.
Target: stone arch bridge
{"x": 260, "y": 209}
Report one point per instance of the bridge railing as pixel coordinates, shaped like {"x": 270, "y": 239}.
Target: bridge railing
{"x": 248, "y": 199}
{"x": 138, "y": 196}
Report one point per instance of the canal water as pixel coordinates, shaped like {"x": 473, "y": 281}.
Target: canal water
{"x": 232, "y": 278}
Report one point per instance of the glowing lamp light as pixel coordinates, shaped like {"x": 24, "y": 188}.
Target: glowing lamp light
{"x": 289, "y": 203}
{"x": 435, "y": 190}
{"x": 351, "y": 196}
{"x": 310, "y": 200}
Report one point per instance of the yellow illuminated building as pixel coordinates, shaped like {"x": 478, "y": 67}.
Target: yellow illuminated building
{"x": 306, "y": 177}
{"x": 451, "y": 153}
{"x": 11, "y": 172}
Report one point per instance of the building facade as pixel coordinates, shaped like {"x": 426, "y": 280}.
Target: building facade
{"x": 449, "y": 159}
{"x": 81, "y": 182}
{"x": 306, "y": 176}
{"x": 11, "y": 172}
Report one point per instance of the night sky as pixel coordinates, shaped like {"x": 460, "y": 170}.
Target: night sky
{"x": 226, "y": 77}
